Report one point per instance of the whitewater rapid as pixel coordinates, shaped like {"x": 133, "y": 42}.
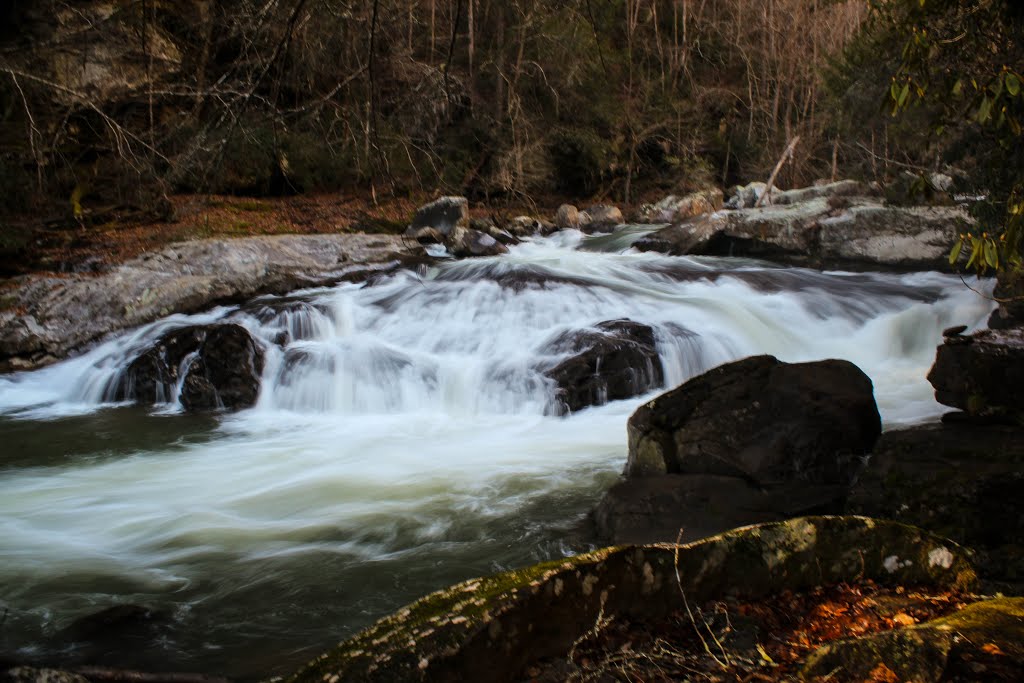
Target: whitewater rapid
{"x": 404, "y": 438}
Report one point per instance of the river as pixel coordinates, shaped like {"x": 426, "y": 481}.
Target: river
{"x": 404, "y": 440}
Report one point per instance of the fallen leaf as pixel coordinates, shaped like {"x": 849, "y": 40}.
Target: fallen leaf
{"x": 883, "y": 674}
{"x": 904, "y": 619}
{"x": 992, "y": 649}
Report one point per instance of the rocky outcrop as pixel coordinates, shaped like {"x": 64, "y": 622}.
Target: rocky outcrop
{"x": 673, "y": 209}
{"x": 443, "y": 215}
{"x": 217, "y": 366}
{"x": 750, "y": 441}
{"x": 821, "y": 227}
{"x": 982, "y": 374}
{"x": 491, "y": 628}
{"x": 47, "y": 318}
{"x": 958, "y": 479}
{"x": 616, "y": 359}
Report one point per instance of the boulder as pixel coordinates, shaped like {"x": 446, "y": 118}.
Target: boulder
{"x": 493, "y": 628}
{"x": 982, "y": 642}
{"x": 567, "y": 217}
{"x": 673, "y": 209}
{"x": 463, "y": 242}
{"x": 487, "y": 226}
{"x": 428, "y": 235}
{"x": 218, "y": 366}
{"x": 601, "y": 218}
{"x": 982, "y": 374}
{"x": 841, "y": 188}
{"x": 745, "y": 196}
{"x": 958, "y": 479}
{"x": 616, "y": 359}
{"x": 444, "y": 215}
{"x": 527, "y": 226}
{"x": 760, "y": 419}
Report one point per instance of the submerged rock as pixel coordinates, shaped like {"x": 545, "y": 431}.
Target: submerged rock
{"x": 616, "y": 359}
{"x": 491, "y": 628}
{"x": 218, "y": 366}
{"x": 982, "y": 374}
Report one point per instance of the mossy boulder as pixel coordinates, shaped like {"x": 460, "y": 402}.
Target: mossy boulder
{"x": 937, "y": 650}
{"x": 957, "y": 479}
{"x": 490, "y": 628}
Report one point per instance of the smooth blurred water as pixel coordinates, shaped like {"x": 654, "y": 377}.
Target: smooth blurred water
{"x": 403, "y": 440}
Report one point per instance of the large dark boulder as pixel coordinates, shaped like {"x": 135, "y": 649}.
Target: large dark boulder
{"x": 616, "y": 359}
{"x": 218, "y": 366}
{"x": 982, "y": 374}
{"x": 443, "y": 215}
{"x": 760, "y": 419}
{"x": 958, "y": 479}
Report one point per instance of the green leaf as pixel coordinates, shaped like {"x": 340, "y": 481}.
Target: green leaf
{"x": 894, "y": 92}
{"x": 958, "y": 88}
{"x": 991, "y": 254}
{"x": 975, "y": 252}
{"x": 903, "y": 95}
{"x": 985, "y": 110}
{"x": 1012, "y": 84}
{"x": 955, "y": 254}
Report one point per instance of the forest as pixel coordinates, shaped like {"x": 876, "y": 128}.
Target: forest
{"x": 110, "y": 108}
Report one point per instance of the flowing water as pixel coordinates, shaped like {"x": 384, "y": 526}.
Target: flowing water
{"x": 404, "y": 439}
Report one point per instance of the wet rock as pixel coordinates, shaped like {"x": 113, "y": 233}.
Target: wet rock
{"x": 602, "y": 218}
{"x": 983, "y": 374}
{"x": 691, "y": 507}
{"x": 219, "y": 366}
{"x": 984, "y": 641}
{"x": 527, "y": 226}
{"x": 957, "y": 479}
{"x": 760, "y": 419}
{"x": 491, "y": 628}
{"x": 617, "y": 359}
{"x": 443, "y": 215}
{"x": 487, "y": 226}
{"x": 114, "y": 623}
{"x": 464, "y": 242}
{"x": 49, "y": 318}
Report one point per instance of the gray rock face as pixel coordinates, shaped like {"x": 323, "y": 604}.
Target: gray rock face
{"x": 762, "y": 420}
{"x": 219, "y": 366}
{"x": 821, "y": 232}
{"x": 443, "y": 215}
{"x": 51, "y": 317}
{"x": 615, "y": 360}
{"x": 983, "y": 374}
